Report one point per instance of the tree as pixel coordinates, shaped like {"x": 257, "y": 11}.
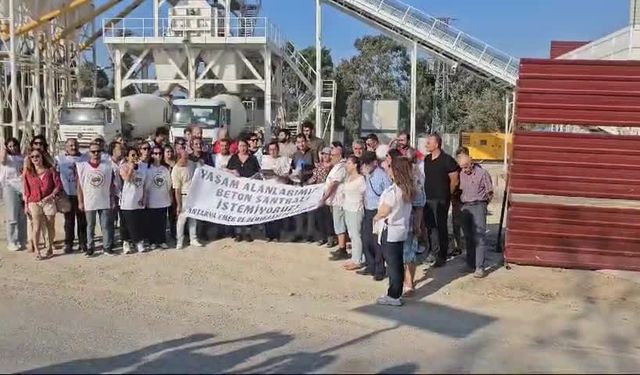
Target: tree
{"x": 86, "y": 73}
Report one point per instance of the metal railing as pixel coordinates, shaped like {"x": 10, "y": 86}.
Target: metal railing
{"x": 129, "y": 28}
{"x": 445, "y": 37}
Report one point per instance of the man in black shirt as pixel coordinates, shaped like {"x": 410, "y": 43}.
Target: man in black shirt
{"x": 441, "y": 180}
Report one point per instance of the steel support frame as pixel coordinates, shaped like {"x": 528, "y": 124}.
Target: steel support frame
{"x": 318, "y": 87}
{"x": 414, "y": 90}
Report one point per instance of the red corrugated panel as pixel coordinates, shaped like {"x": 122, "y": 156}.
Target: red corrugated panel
{"x": 576, "y": 165}
{"x": 573, "y": 236}
{"x": 560, "y": 47}
{"x": 579, "y": 92}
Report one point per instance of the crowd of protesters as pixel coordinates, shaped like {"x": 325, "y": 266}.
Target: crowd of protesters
{"x": 389, "y": 202}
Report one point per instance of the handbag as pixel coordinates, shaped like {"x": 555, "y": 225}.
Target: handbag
{"x": 63, "y": 204}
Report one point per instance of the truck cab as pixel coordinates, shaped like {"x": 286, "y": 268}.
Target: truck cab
{"x": 88, "y": 119}
{"x": 209, "y": 114}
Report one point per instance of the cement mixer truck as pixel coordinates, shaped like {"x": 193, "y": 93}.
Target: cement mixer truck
{"x": 210, "y": 114}
{"x": 135, "y": 116}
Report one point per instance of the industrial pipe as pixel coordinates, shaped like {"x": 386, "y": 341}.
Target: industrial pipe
{"x": 47, "y": 17}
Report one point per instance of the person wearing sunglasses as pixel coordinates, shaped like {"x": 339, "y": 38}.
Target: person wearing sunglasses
{"x": 39, "y": 142}
{"x": 254, "y": 147}
{"x": 68, "y": 174}
{"x": 96, "y": 192}
{"x": 11, "y": 165}
{"x": 41, "y": 185}
{"x": 158, "y": 198}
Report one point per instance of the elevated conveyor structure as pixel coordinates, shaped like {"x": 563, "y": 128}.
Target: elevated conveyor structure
{"x": 435, "y": 36}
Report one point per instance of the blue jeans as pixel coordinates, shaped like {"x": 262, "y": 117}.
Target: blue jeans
{"x": 106, "y": 226}
{"x": 15, "y": 217}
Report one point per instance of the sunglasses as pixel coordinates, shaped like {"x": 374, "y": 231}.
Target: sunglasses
{"x": 144, "y": 148}
{"x": 157, "y": 153}
{"x": 94, "y": 151}
{"x": 253, "y": 140}
{"x": 35, "y": 156}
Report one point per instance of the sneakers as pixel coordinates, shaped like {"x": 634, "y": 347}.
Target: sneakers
{"x": 12, "y": 247}
{"x": 388, "y": 301}
{"x": 126, "y": 248}
{"x": 480, "y": 273}
{"x": 164, "y": 246}
{"x": 153, "y": 246}
{"x": 140, "y": 247}
{"x": 196, "y": 243}
{"x": 108, "y": 252}
{"x": 179, "y": 245}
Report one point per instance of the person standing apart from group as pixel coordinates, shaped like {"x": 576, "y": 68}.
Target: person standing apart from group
{"x": 441, "y": 179}
{"x": 132, "y": 208}
{"x": 377, "y": 181}
{"x": 353, "y": 205}
{"x": 96, "y": 192}
{"x": 477, "y": 192}
{"x": 68, "y": 176}
{"x": 158, "y": 198}
{"x": 41, "y": 186}
{"x": 11, "y": 165}
{"x": 392, "y": 223}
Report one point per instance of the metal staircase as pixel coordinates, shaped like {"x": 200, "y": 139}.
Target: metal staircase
{"x": 435, "y": 36}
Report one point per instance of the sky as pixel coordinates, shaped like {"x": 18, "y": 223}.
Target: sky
{"x": 521, "y": 28}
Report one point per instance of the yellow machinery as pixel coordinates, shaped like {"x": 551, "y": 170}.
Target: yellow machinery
{"x": 486, "y": 146}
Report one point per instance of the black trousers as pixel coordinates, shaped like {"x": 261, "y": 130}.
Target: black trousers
{"x": 157, "y": 224}
{"x": 132, "y": 228}
{"x": 436, "y": 212}
{"x": 393, "y": 254}
{"x": 324, "y": 222}
{"x": 173, "y": 218}
{"x": 305, "y": 224}
{"x": 70, "y": 219}
{"x": 372, "y": 249}
{"x": 272, "y": 229}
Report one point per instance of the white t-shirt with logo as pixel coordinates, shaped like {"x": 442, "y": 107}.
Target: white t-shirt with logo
{"x": 337, "y": 174}
{"x": 132, "y": 190}
{"x": 68, "y": 174}
{"x": 96, "y": 185}
{"x": 158, "y": 187}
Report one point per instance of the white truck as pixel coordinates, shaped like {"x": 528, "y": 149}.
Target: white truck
{"x": 210, "y": 114}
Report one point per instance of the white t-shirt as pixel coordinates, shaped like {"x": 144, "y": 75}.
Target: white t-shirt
{"x": 96, "y": 185}
{"x": 11, "y": 172}
{"x": 280, "y": 165}
{"x": 354, "y": 194}
{"x": 132, "y": 190}
{"x": 158, "y": 187}
{"x": 398, "y": 221}
{"x": 181, "y": 177}
{"x": 68, "y": 174}
{"x": 337, "y": 174}
{"x": 221, "y": 161}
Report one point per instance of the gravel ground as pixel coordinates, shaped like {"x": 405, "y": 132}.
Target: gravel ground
{"x": 286, "y": 308}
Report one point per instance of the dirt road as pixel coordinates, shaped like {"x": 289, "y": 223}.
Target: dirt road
{"x": 286, "y": 308}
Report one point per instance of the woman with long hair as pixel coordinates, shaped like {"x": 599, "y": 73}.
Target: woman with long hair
{"x": 243, "y": 164}
{"x": 132, "y": 203}
{"x": 392, "y": 223}
{"x": 411, "y": 246}
{"x": 11, "y": 165}
{"x": 353, "y": 205}
{"x": 170, "y": 158}
{"x": 41, "y": 185}
{"x": 158, "y": 197}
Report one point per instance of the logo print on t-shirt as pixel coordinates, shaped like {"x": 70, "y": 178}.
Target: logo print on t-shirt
{"x": 137, "y": 181}
{"x": 158, "y": 180}
{"x": 96, "y": 179}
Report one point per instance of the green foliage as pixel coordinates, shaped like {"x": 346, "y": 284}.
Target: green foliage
{"x": 86, "y": 73}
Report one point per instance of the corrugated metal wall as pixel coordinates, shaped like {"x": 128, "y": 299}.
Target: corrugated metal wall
{"x": 560, "y": 47}
{"x": 575, "y": 198}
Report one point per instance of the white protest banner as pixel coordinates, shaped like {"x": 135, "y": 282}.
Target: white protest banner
{"x": 222, "y": 198}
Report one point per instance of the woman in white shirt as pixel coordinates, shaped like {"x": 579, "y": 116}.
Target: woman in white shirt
{"x": 276, "y": 169}
{"x": 392, "y": 222}
{"x": 353, "y": 205}
{"x": 11, "y": 163}
{"x": 132, "y": 203}
{"x": 158, "y": 198}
